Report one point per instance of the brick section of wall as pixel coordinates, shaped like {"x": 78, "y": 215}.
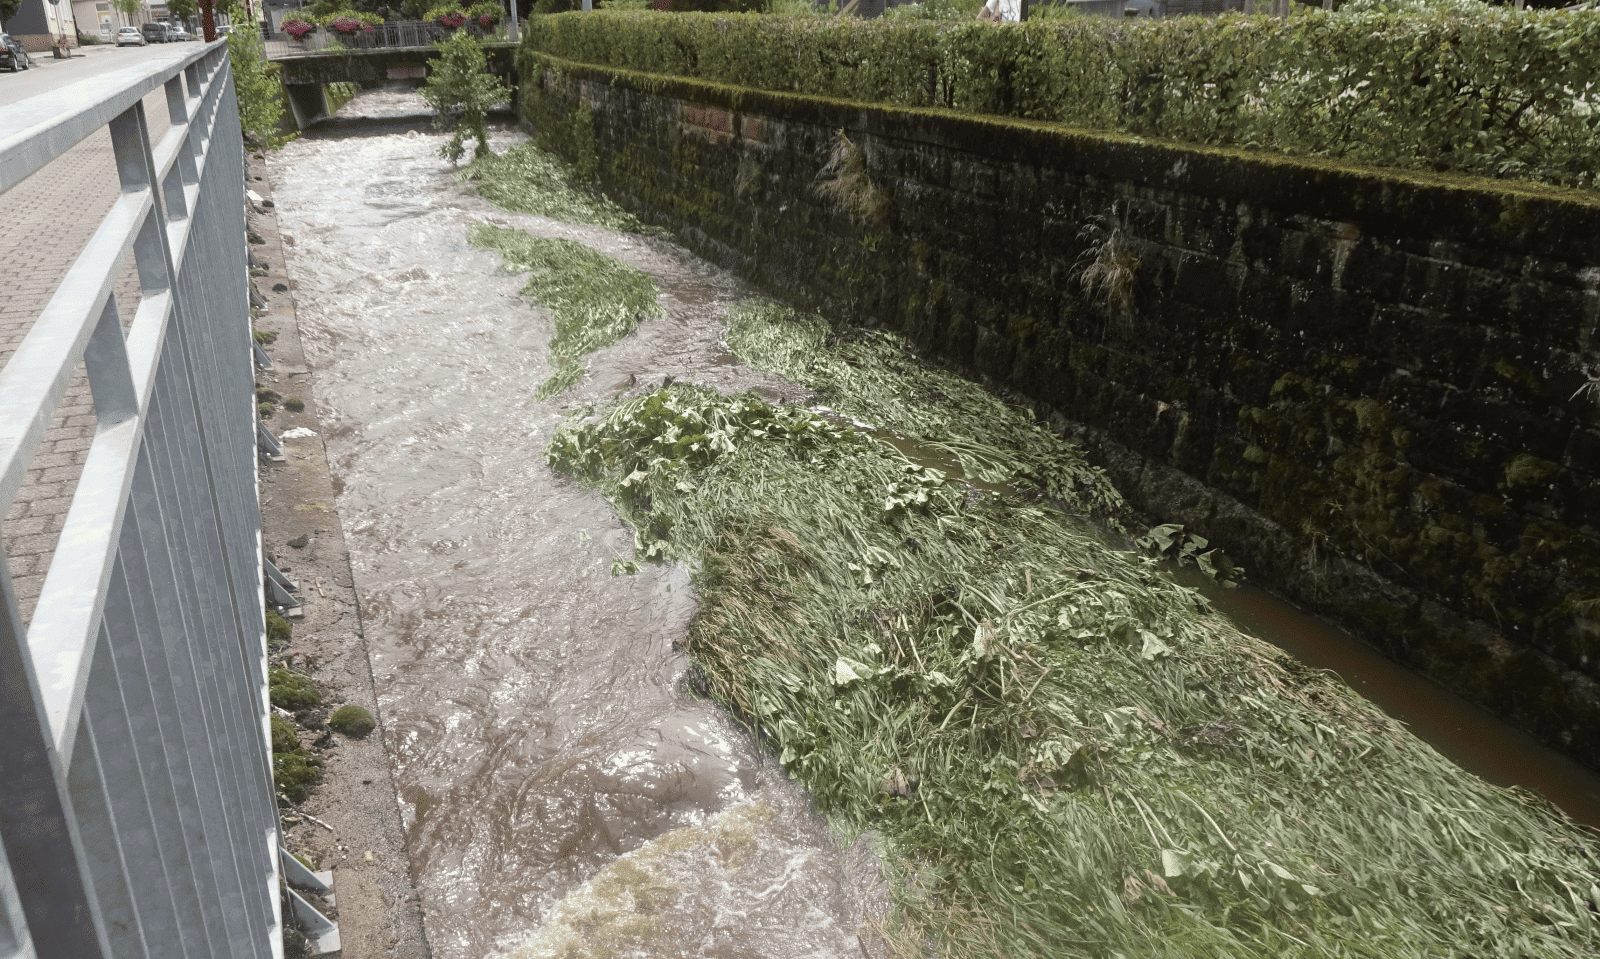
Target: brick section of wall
{"x": 1381, "y": 394}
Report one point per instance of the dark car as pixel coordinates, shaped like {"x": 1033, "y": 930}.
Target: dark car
{"x": 154, "y": 32}
{"x": 12, "y": 56}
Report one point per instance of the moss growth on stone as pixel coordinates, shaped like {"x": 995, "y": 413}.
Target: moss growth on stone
{"x": 294, "y": 770}
{"x": 352, "y": 721}
{"x": 278, "y": 630}
{"x": 292, "y": 691}
{"x": 296, "y": 775}
{"x": 284, "y": 738}
{"x": 1526, "y": 470}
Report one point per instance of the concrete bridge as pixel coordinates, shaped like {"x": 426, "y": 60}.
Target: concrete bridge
{"x": 397, "y": 53}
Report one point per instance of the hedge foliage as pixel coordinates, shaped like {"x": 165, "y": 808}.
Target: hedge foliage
{"x": 1510, "y": 94}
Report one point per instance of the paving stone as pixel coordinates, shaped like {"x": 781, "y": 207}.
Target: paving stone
{"x": 63, "y": 204}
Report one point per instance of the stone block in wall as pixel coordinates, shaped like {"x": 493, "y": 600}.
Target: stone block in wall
{"x": 1509, "y": 427}
{"x": 1262, "y": 293}
{"x": 1427, "y": 343}
{"x": 1373, "y": 271}
{"x": 1207, "y": 282}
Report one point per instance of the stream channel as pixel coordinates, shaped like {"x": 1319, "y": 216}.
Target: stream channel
{"x": 532, "y": 700}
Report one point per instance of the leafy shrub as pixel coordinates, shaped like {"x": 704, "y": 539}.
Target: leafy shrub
{"x": 1502, "y": 93}
{"x": 936, "y": 10}
{"x": 461, "y": 90}
{"x": 349, "y": 23}
{"x": 484, "y": 16}
{"x": 256, "y": 88}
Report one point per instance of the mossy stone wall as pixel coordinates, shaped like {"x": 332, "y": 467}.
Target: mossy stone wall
{"x": 1378, "y": 392}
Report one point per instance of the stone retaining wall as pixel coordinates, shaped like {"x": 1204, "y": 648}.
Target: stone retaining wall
{"x": 1380, "y": 393}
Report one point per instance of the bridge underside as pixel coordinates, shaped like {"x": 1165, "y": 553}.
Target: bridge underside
{"x": 304, "y": 77}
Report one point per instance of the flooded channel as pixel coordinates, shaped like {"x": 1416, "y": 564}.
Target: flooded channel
{"x": 546, "y": 750}
{"x": 533, "y": 699}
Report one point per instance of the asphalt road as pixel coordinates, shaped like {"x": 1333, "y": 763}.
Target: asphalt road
{"x": 49, "y": 74}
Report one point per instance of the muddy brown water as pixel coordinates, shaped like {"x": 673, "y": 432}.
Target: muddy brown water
{"x": 533, "y": 701}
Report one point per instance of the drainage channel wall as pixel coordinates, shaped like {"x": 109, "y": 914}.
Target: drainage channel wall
{"x": 1378, "y": 392}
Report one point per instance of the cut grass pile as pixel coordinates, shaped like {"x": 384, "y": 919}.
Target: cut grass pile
{"x": 594, "y": 299}
{"x": 525, "y": 179}
{"x": 1066, "y": 754}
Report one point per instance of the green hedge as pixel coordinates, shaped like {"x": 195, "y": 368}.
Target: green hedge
{"x": 1510, "y": 94}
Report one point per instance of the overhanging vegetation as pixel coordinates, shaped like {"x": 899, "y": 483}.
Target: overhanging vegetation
{"x": 1507, "y": 94}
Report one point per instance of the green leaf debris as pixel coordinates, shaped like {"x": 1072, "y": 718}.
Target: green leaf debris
{"x": 526, "y": 179}
{"x": 594, "y": 299}
{"x": 1066, "y": 755}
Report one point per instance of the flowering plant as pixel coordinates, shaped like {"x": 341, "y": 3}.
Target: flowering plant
{"x": 298, "y": 27}
{"x": 350, "y": 25}
{"x": 454, "y": 20}
{"x": 485, "y": 21}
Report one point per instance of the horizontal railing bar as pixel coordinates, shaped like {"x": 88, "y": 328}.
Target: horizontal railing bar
{"x": 36, "y": 376}
{"x": 145, "y": 337}
{"x": 67, "y": 620}
{"x": 43, "y": 127}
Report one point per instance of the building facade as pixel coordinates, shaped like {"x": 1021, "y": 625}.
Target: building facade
{"x": 40, "y": 23}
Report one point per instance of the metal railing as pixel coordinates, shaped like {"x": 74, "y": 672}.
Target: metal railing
{"x": 393, "y": 35}
{"x": 137, "y": 813}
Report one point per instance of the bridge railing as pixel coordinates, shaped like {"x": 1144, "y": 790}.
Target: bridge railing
{"x": 395, "y": 34}
{"x": 137, "y": 812}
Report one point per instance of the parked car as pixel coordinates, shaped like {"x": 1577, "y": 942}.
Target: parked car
{"x": 130, "y": 37}
{"x": 180, "y": 35}
{"x": 153, "y": 32}
{"x": 12, "y": 55}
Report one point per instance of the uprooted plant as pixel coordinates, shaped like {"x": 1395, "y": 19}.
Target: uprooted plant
{"x": 846, "y": 182}
{"x": 1108, "y": 267}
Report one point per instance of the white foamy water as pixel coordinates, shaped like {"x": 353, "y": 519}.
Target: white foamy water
{"x": 551, "y": 767}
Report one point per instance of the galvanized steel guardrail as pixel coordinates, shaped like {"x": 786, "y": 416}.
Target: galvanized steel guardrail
{"x": 137, "y": 813}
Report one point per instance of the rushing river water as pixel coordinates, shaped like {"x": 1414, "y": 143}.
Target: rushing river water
{"x": 544, "y": 747}
{"x": 533, "y": 699}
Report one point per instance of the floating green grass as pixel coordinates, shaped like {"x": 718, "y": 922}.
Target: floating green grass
{"x": 875, "y": 377}
{"x": 526, "y": 179}
{"x": 594, "y": 299}
{"x": 1066, "y": 754}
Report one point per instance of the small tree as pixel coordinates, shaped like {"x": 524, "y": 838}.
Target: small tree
{"x": 127, "y": 8}
{"x": 183, "y": 9}
{"x": 8, "y": 9}
{"x": 255, "y": 80}
{"x": 461, "y": 90}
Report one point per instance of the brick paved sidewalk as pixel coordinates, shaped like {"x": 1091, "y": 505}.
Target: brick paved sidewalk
{"x": 50, "y": 217}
